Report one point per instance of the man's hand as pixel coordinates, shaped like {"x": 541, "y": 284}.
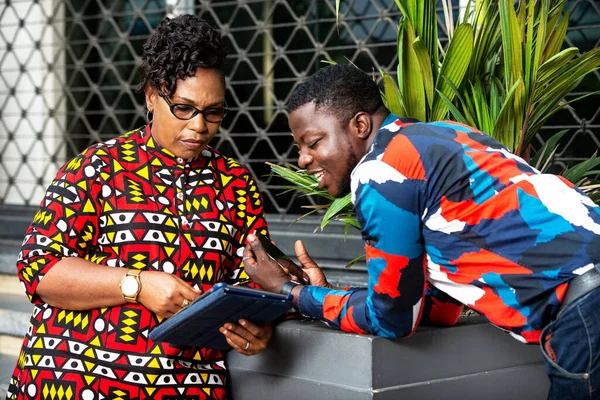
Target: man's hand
{"x": 261, "y": 268}
{"x": 246, "y": 338}
{"x": 310, "y": 268}
{"x": 165, "y": 294}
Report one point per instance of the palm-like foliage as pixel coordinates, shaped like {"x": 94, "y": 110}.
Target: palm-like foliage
{"x": 502, "y": 72}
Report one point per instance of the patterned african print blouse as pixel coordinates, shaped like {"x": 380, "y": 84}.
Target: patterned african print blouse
{"x": 128, "y": 203}
{"x": 450, "y": 217}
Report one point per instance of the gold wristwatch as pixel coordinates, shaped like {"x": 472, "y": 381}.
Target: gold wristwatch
{"x": 131, "y": 285}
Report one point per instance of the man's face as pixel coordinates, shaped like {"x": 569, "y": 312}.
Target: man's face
{"x": 326, "y": 149}
{"x": 187, "y": 138}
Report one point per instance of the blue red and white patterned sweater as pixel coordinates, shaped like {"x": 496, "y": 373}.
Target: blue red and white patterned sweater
{"x": 449, "y": 216}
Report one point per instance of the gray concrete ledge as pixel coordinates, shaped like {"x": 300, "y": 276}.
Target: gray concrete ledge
{"x": 15, "y": 314}
{"x": 473, "y": 360}
{"x": 305, "y": 359}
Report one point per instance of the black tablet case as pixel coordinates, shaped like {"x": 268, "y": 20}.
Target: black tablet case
{"x": 198, "y": 324}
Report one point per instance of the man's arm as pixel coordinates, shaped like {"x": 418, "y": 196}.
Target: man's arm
{"x": 388, "y": 208}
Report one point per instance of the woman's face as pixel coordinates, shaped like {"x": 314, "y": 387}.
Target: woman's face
{"x": 187, "y": 138}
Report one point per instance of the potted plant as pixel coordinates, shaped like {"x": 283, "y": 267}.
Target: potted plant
{"x": 503, "y": 71}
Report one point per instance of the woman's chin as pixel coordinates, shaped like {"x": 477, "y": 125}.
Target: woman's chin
{"x": 187, "y": 154}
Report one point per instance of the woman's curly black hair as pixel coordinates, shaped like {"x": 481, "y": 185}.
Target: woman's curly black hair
{"x": 340, "y": 90}
{"x": 176, "y": 49}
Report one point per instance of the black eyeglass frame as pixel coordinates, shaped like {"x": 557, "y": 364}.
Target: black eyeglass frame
{"x": 196, "y": 112}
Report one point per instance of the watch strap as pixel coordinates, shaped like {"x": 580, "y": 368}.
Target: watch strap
{"x": 288, "y": 287}
{"x": 135, "y": 273}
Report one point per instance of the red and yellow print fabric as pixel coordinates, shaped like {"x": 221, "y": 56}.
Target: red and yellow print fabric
{"x": 128, "y": 203}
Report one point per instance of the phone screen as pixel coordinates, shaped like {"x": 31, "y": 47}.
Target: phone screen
{"x": 282, "y": 259}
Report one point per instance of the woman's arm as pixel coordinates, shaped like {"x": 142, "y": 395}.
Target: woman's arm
{"x": 52, "y": 264}
{"x": 77, "y": 284}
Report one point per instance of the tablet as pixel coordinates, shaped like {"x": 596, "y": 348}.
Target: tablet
{"x": 198, "y": 324}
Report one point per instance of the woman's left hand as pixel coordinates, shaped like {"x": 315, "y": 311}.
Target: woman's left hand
{"x": 246, "y": 338}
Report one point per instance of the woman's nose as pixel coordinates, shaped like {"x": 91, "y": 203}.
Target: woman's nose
{"x": 198, "y": 123}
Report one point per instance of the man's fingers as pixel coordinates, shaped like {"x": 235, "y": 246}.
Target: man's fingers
{"x": 248, "y": 257}
{"x": 303, "y": 256}
{"x": 257, "y": 248}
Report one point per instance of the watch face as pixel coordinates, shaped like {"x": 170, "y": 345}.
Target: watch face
{"x": 130, "y": 286}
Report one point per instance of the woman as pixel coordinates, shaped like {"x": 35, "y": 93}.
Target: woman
{"x": 131, "y": 231}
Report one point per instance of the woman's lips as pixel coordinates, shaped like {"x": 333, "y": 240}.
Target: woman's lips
{"x": 192, "y": 144}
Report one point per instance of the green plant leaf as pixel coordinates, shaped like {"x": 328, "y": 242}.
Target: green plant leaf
{"x": 410, "y": 77}
{"x": 402, "y": 6}
{"x": 552, "y": 65}
{"x": 484, "y": 122}
{"x": 496, "y": 94}
{"x": 578, "y": 171}
{"x": 425, "y": 64}
{"x": 357, "y": 259}
{"x": 512, "y": 40}
{"x": 543, "y": 156}
{"x": 466, "y": 102}
{"x": 351, "y": 221}
{"x": 452, "y": 108}
{"x": 454, "y": 66}
{"x": 540, "y": 42}
{"x": 392, "y": 97}
{"x": 338, "y": 205}
{"x": 486, "y": 38}
{"x": 558, "y": 37}
{"x": 503, "y": 127}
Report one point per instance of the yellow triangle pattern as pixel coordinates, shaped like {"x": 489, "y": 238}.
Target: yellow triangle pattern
{"x": 117, "y": 167}
{"x": 225, "y": 179}
{"x": 89, "y": 207}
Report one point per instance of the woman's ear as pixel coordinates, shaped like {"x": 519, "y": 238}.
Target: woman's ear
{"x": 150, "y": 98}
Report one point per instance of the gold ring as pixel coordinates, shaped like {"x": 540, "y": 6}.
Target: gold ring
{"x": 247, "y": 346}
{"x": 185, "y": 303}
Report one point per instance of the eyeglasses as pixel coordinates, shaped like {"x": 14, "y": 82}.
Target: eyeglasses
{"x": 187, "y": 112}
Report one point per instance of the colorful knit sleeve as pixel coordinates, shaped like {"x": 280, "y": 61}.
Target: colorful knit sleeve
{"x": 388, "y": 204}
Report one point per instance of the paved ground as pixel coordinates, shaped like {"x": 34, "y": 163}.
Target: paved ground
{"x": 7, "y": 365}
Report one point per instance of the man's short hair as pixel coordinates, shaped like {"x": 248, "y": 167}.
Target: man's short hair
{"x": 339, "y": 90}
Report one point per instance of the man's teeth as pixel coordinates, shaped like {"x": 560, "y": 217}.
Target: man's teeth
{"x": 319, "y": 176}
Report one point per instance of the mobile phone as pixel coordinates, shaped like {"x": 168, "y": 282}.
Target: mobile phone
{"x": 282, "y": 259}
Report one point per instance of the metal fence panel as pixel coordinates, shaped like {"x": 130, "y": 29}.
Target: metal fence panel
{"x": 68, "y": 72}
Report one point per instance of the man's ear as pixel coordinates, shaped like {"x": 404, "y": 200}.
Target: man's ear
{"x": 362, "y": 125}
{"x": 151, "y": 97}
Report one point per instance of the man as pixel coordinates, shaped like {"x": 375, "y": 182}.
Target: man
{"x": 448, "y": 216}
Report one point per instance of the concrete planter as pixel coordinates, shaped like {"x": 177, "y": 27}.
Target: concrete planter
{"x": 473, "y": 360}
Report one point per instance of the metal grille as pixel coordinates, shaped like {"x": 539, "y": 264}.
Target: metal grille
{"x": 68, "y": 71}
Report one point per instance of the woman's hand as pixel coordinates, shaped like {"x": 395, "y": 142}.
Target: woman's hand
{"x": 165, "y": 294}
{"x": 246, "y": 338}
